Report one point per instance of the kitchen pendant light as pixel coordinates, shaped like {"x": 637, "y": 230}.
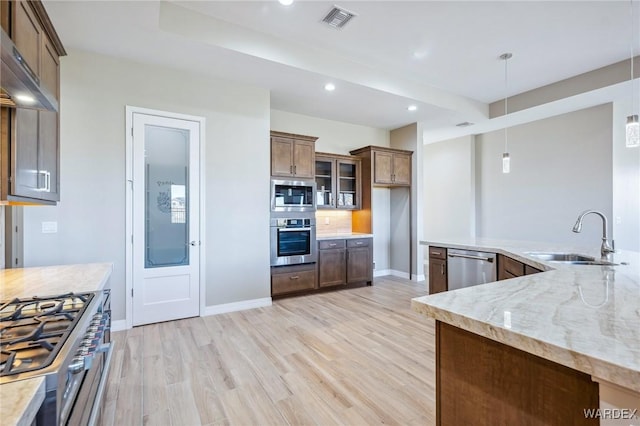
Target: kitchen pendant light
{"x": 633, "y": 126}
{"x": 506, "y": 159}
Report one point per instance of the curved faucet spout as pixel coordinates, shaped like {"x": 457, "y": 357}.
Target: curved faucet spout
{"x": 605, "y": 249}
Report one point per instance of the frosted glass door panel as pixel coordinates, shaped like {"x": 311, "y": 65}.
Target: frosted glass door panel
{"x": 166, "y": 189}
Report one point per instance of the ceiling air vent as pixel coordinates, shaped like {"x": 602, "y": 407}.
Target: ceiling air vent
{"x": 338, "y": 17}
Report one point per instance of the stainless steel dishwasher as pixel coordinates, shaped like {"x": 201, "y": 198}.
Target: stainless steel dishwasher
{"x": 466, "y": 268}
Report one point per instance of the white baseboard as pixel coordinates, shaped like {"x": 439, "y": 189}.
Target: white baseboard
{"x": 381, "y": 272}
{"x": 119, "y": 325}
{"x": 418, "y": 278}
{"x": 236, "y": 306}
{"x": 393, "y": 272}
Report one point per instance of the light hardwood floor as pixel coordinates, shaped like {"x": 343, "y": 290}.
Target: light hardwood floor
{"x": 351, "y": 357}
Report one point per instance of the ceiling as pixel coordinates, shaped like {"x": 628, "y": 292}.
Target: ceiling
{"x": 440, "y": 56}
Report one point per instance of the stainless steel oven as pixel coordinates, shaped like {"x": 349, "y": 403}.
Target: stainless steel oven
{"x": 293, "y": 195}
{"x": 66, "y": 339}
{"x": 293, "y": 240}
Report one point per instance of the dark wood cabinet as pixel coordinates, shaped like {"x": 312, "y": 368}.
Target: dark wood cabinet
{"x": 293, "y": 279}
{"x": 437, "y": 269}
{"x": 29, "y": 170}
{"x": 511, "y": 268}
{"x": 292, "y": 155}
{"x": 359, "y": 260}
{"x": 337, "y": 181}
{"x": 483, "y": 382}
{"x": 345, "y": 261}
{"x": 332, "y": 263}
{"x": 389, "y": 167}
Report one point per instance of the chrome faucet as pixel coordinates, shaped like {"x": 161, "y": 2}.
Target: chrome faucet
{"x": 605, "y": 249}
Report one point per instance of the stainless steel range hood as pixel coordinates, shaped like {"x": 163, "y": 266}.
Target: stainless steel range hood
{"x": 20, "y": 86}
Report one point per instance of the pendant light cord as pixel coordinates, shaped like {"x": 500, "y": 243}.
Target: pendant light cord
{"x": 506, "y": 103}
{"x": 633, "y": 98}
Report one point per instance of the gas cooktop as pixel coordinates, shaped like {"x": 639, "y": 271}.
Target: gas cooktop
{"x": 33, "y": 330}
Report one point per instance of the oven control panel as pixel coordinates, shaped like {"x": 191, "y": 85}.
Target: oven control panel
{"x": 91, "y": 344}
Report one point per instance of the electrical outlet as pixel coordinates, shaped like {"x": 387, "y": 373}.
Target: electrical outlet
{"x": 618, "y": 220}
{"x": 49, "y": 227}
{"x": 326, "y": 221}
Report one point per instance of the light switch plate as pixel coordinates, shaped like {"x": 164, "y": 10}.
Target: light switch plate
{"x": 49, "y": 227}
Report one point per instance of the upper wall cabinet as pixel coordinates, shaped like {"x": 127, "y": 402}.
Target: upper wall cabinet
{"x": 292, "y": 155}
{"x": 29, "y": 144}
{"x": 337, "y": 181}
{"x": 389, "y": 167}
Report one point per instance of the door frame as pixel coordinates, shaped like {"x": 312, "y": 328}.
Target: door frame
{"x": 130, "y": 111}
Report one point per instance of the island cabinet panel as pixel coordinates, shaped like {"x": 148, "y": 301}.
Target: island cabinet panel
{"x": 437, "y": 269}
{"x": 483, "y": 382}
{"x": 292, "y": 155}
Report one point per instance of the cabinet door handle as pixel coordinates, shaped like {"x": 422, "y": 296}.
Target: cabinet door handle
{"x": 295, "y": 169}
{"x": 291, "y": 169}
{"x": 294, "y": 277}
{"x": 442, "y": 269}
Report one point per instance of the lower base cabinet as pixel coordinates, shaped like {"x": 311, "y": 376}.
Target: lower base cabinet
{"x": 345, "y": 261}
{"x": 437, "y": 269}
{"x": 293, "y": 279}
{"x": 511, "y": 268}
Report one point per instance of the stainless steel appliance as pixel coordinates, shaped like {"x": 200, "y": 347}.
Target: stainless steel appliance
{"x": 19, "y": 82}
{"x": 466, "y": 268}
{"x": 293, "y": 195}
{"x": 293, "y": 239}
{"x": 66, "y": 339}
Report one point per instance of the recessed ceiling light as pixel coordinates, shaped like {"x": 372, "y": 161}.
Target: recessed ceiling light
{"x": 412, "y": 107}
{"x": 329, "y": 87}
{"x": 25, "y": 98}
{"x": 285, "y": 2}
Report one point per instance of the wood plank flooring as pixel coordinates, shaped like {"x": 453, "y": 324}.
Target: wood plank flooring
{"x": 352, "y": 357}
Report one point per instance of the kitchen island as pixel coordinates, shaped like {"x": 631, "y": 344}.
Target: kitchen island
{"x": 566, "y": 329}
{"x": 21, "y": 399}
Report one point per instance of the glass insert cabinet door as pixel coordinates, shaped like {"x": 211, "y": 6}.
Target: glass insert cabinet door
{"x": 337, "y": 183}
{"x": 166, "y": 192}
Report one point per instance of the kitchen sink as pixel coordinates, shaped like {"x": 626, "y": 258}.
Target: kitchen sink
{"x": 570, "y": 258}
{"x": 561, "y": 257}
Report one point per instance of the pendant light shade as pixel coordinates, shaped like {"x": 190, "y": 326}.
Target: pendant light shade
{"x": 633, "y": 131}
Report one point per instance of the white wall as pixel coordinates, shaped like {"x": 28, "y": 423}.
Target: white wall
{"x": 336, "y": 137}
{"x": 91, "y": 213}
{"x": 560, "y": 166}
{"x": 626, "y": 183}
{"x": 449, "y": 189}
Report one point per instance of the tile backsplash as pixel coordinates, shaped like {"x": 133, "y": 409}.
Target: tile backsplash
{"x": 333, "y": 222}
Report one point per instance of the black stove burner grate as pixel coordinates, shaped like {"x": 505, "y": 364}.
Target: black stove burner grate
{"x": 32, "y": 331}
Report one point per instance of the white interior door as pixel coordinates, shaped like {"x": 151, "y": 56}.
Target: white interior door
{"x": 165, "y": 218}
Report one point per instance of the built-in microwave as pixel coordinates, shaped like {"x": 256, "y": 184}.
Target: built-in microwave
{"x": 293, "y": 195}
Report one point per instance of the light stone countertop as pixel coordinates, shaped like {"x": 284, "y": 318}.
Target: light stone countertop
{"x": 20, "y": 401}
{"x": 52, "y": 280}
{"x": 584, "y": 317}
{"x": 342, "y": 236}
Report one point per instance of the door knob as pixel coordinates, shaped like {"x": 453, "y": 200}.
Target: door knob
{"x": 193, "y": 243}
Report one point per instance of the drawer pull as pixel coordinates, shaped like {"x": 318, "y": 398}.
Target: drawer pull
{"x": 359, "y": 243}
{"x": 437, "y": 253}
{"x": 296, "y": 277}
{"x": 332, "y": 245}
